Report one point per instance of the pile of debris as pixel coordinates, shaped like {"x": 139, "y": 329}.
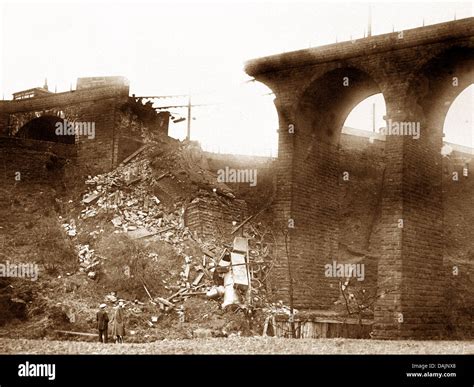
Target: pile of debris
{"x": 137, "y": 212}
{"x": 70, "y": 228}
{"x": 143, "y": 199}
{"x": 232, "y": 275}
{"x": 88, "y": 260}
{"x": 150, "y": 201}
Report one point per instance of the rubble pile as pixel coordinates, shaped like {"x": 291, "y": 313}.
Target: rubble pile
{"x": 232, "y": 275}
{"x": 166, "y": 193}
{"x": 70, "y": 228}
{"x": 88, "y": 260}
{"x": 127, "y": 193}
{"x": 147, "y": 199}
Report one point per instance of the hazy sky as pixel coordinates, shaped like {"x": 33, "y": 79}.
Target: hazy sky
{"x": 198, "y": 48}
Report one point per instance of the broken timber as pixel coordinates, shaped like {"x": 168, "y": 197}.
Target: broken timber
{"x": 133, "y": 155}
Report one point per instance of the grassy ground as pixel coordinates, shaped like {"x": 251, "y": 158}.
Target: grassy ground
{"x": 240, "y": 345}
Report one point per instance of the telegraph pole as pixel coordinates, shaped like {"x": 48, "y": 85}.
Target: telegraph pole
{"x": 369, "y": 29}
{"x": 188, "y": 132}
{"x": 373, "y": 117}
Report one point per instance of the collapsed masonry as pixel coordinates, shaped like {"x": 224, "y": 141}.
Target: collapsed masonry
{"x": 165, "y": 192}
{"x": 117, "y": 124}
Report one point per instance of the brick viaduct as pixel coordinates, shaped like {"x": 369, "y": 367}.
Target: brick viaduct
{"x": 419, "y": 72}
{"x": 117, "y": 118}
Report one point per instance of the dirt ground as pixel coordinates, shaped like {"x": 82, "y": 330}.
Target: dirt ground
{"x": 240, "y": 345}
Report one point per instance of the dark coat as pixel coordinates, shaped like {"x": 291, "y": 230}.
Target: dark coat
{"x": 118, "y": 323}
{"x": 102, "y": 319}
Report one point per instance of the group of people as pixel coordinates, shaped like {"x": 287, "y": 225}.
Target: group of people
{"x": 118, "y": 323}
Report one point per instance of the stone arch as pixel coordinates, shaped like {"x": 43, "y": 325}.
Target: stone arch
{"x": 326, "y": 103}
{"x": 43, "y": 128}
{"x": 18, "y": 120}
{"x": 434, "y": 86}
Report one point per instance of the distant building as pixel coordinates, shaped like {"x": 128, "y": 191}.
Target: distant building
{"x": 91, "y": 82}
{"x": 32, "y": 93}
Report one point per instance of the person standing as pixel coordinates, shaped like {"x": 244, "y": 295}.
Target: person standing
{"x": 102, "y": 323}
{"x": 118, "y": 323}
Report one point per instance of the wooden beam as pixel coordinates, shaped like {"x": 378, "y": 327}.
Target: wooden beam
{"x": 77, "y": 333}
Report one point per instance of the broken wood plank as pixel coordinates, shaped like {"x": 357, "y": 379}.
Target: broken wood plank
{"x": 241, "y": 224}
{"x": 132, "y": 180}
{"x": 91, "y": 198}
{"x": 198, "y": 279}
{"x": 194, "y": 294}
{"x": 207, "y": 273}
{"x": 165, "y": 229}
{"x": 239, "y": 270}
{"x": 77, "y": 333}
{"x": 133, "y": 155}
{"x": 251, "y": 217}
{"x": 241, "y": 245}
{"x": 204, "y": 270}
{"x": 140, "y": 233}
{"x": 162, "y": 176}
{"x": 223, "y": 254}
{"x": 176, "y": 294}
{"x": 164, "y": 301}
{"x": 149, "y": 295}
{"x": 208, "y": 252}
{"x": 187, "y": 269}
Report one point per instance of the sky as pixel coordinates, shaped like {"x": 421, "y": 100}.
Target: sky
{"x": 197, "y": 48}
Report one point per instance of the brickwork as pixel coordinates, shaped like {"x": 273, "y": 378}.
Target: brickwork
{"x": 98, "y": 106}
{"x": 209, "y": 218}
{"x": 33, "y": 162}
{"x": 315, "y": 91}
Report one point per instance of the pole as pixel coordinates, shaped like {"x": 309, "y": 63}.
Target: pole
{"x": 369, "y": 30}
{"x": 373, "y": 117}
{"x": 188, "y": 132}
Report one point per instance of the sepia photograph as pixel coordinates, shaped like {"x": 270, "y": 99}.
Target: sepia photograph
{"x": 228, "y": 178}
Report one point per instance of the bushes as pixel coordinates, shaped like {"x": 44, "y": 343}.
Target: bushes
{"x": 11, "y": 307}
{"x": 54, "y": 250}
{"x": 130, "y": 263}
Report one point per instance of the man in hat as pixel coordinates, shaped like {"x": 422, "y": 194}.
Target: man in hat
{"x": 118, "y": 323}
{"x": 102, "y": 323}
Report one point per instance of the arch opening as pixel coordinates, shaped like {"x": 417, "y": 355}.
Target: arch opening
{"x": 368, "y": 116}
{"x": 45, "y": 129}
{"x": 437, "y": 85}
{"x": 458, "y": 122}
{"x": 327, "y": 102}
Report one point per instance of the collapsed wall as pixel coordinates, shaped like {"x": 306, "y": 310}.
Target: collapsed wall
{"x": 212, "y": 218}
